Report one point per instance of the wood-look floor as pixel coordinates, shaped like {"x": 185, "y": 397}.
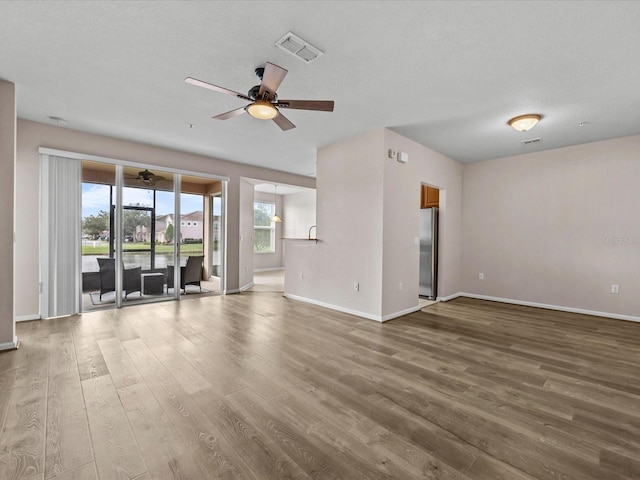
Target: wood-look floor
{"x": 255, "y": 386}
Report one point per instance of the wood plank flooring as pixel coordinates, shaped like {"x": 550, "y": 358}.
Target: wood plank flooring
{"x": 254, "y": 386}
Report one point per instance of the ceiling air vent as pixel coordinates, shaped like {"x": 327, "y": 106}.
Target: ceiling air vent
{"x": 531, "y": 140}
{"x": 297, "y": 47}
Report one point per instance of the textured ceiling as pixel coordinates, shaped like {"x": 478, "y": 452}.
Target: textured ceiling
{"x": 446, "y": 74}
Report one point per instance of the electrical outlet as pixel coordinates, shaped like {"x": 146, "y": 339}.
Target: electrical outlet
{"x": 356, "y": 287}
{"x": 301, "y": 276}
{"x": 615, "y": 288}
{"x": 481, "y": 276}
{"x": 400, "y": 286}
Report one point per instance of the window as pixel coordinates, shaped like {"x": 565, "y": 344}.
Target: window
{"x": 264, "y": 231}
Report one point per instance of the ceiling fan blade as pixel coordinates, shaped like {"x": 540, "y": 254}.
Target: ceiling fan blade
{"x": 215, "y": 88}
{"x": 320, "y": 105}
{"x": 271, "y": 79}
{"x": 283, "y": 122}
{"x": 230, "y": 114}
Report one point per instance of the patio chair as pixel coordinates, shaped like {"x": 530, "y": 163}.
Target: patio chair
{"x": 131, "y": 279}
{"x": 190, "y": 274}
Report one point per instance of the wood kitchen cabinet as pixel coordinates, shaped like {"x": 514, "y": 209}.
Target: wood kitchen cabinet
{"x": 429, "y": 197}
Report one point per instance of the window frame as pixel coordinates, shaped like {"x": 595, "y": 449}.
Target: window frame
{"x": 271, "y": 227}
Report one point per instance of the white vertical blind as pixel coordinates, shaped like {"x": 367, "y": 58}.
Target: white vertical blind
{"x": 61, "y": 184}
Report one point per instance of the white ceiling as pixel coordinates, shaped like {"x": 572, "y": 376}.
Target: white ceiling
{"x": 280, "y": 190}
{"x": 446, "y": 74}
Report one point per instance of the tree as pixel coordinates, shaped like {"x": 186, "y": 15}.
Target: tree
{"x": 132, "y": 219}
{"x": 262, "y": 213}
{"x": 94, "y": 225}
{"x": 168, "y": 233}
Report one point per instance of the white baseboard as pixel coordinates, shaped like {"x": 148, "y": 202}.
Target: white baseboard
{"x": 10, "y": 345}
{"x": 401, "y": 313}
{"x": 270, "y": 269}
{"x": 368, "y": 316}
{"x": 448, "y": 297}
{"x": 551, "y": 307}
{"x": 26, "y": 318}
{"x": 238, "y": 290}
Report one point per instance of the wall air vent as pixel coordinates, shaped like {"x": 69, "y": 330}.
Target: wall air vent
{"x": 297, "y": 47}
{"x": 531, "y": 140}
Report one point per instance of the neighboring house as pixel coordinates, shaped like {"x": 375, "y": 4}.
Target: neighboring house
{"x": 142, "y": 234}
{"x": 162, "y": 222}
{"x": 191, "y": 226}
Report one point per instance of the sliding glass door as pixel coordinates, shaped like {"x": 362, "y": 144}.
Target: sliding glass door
{"x": 142, "y": 242}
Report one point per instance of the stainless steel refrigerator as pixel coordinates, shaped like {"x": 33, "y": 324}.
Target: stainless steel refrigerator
{"x": 428, "y": 253}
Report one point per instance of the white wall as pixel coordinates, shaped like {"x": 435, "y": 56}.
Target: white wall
{"x": 299, "y": 214}
{"x": 557, "y": 227}
{"x": 263, "y": 261}
{"x": 32, "y": 135}
{"x": 368, "y": 218}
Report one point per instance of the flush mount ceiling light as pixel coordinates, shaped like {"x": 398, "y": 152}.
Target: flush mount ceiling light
{"x": 524, "y": 122}
{"x": 262, "y": 110}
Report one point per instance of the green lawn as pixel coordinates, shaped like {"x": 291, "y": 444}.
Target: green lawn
{"x": 102, "y": 248}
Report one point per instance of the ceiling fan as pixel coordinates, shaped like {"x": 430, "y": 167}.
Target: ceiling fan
{"x": 146, "y": 177}
{"x": 265, "y": 104}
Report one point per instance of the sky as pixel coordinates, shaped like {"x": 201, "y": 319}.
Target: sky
{"x": 96, "y": 197}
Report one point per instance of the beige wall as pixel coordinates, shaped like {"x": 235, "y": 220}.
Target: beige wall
{"x": 299, "y": 214}
{"x": 246, "y": 234}
{"x": 7, "y": 182}
{"x": 368, "y": 220}
{"x": 349, "y": 226}
{"x": 402, "y": 183}
{"x": 557, "y": 227}
{"x": 32, "y": 135}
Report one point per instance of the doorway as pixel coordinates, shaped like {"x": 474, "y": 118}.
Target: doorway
{"x": 428, "y": 241}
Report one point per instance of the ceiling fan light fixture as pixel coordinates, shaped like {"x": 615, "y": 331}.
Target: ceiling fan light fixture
{"x": 262, "y": 110}
{"x": 524, "y": 123}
